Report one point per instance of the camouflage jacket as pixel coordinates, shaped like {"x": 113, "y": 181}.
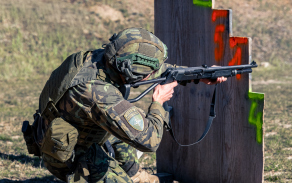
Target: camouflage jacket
{"x": 98, "y": 104}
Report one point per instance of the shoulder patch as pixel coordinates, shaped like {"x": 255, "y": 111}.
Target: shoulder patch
{"x": 134, "y": 118}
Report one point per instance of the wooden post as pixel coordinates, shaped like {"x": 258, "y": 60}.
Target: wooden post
{"x": 196, "y": 34}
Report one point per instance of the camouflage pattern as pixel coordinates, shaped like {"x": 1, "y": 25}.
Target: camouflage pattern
{"x": 101, "y": 168}
{"x": 136, "y": 40}
{"x": 126, "y": 155}
{"x": 99, "y": 105}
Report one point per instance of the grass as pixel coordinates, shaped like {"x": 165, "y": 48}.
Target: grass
{"x": 35, "y": 38}
{"x": 5, "y": 138}
{"x": 278, "y": 123}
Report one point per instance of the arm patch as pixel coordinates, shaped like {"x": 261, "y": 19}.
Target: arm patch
{"x": 129, "y": 118}
{"x": 134, "y": 118}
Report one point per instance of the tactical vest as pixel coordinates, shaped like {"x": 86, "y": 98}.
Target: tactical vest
{"x": 71, "y": 72}
{"x": 62, "y": 79}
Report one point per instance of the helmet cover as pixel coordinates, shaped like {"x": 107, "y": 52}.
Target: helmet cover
{"x": 142, "y": 49}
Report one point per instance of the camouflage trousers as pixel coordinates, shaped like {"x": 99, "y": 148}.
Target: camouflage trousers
{"x": 97, "y": 166}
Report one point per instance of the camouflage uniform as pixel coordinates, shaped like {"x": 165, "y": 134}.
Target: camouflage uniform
{"x": 93, "y": 104}
{"x": 99, "y": 104}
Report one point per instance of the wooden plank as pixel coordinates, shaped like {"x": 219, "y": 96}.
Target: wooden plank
{"x": 165, "y": 177}
{"x": 197, "y": 35}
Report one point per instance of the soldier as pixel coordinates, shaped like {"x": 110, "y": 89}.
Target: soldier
{"x": 81, "y": 107}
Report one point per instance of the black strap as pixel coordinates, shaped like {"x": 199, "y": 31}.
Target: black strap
{"x": 212, "y": 115}
{"x": 130, "y": 167}
{"x": 109, "y": 148}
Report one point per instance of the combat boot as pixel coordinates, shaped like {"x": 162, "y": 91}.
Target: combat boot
{"x": 143, "y": 177}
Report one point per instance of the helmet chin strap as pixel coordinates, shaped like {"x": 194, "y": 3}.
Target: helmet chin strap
{"x": 125, "y": 68}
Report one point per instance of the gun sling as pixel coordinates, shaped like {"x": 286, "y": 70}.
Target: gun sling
{"x": 212, "y": 115}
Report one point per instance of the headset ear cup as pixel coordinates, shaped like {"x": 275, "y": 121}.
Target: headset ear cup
{"x": 129, "y": 66}
{"x": 128, "y": 73}
{"x": 121, "y": 66}
{"x": 125, "y": 68}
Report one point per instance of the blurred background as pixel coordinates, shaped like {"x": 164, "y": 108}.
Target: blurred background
{"x": 37, "y": 35}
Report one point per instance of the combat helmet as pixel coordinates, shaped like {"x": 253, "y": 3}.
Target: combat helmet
{"x": 135, "y": 53}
